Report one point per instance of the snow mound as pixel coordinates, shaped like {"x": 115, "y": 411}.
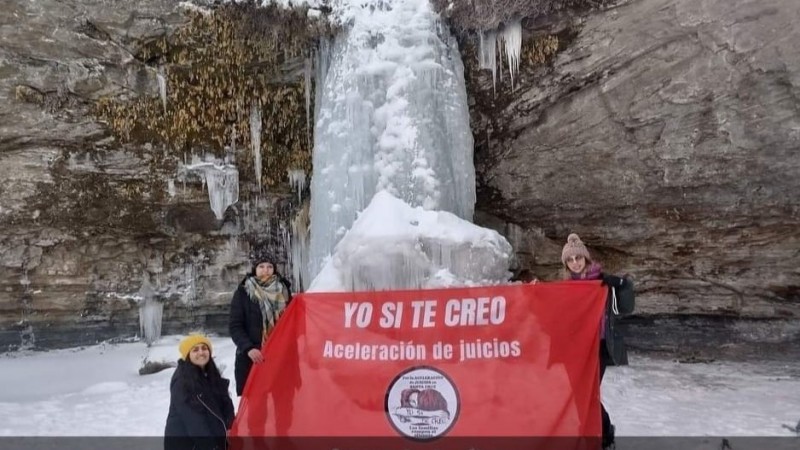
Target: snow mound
{"x": 395, "y": 246}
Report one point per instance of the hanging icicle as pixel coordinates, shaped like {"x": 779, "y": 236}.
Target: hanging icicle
{"x": 221, "y": 178}
{"x": 509, "y": 39}
{"x": 223, "y": 188}
{"x": 297, "y": 179}
{"x": 512, "y": 43}
{"x": 150, "y": 313}
{"x": 307, "y": 73}
{"x": 162, "y": 86}
{"x": 488, "y": 53}
{"x": 255, "y": 139}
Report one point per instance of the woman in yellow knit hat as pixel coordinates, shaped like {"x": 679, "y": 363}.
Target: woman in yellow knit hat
{"x": 200, "y": 408}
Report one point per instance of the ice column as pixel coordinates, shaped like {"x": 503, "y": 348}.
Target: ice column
{"x": 150, "y": 313}
{"x": 391, "y": 115}
{"x": 162, "y": 87}
{"x": 488, "y": 53}
{"x": 255, "y": 139}
{"x": 307, "y": 72}
{"x": 299, "y": 249}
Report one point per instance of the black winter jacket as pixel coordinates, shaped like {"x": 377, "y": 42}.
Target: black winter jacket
{"x": 245, "y": 323}
{"x": 246, "y": 327}
{"x": 621, "y": 300}
{"x": 200, "y": 410}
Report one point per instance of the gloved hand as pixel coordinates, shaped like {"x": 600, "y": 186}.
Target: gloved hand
{"x": 613, "y": 281}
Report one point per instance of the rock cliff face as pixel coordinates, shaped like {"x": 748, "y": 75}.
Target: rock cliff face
{"x": 664, "y": 132}
{"x": 96, "y": 218}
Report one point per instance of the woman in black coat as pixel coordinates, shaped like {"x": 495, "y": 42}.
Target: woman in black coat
{"x": 256, "y": 305}
{"x": 578, "y": 265}
{"x": 200, "y": 408}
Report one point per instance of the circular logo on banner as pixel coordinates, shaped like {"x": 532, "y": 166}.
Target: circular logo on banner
{"x": 422, "y": 403}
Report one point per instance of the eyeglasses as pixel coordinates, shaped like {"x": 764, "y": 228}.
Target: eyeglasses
{"x": 575, "y": 258}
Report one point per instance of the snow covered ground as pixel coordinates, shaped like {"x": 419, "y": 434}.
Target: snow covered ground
{"x": 97, "y": 391}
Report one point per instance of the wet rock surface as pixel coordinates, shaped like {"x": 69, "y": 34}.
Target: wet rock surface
{"x": 90, "y": 226}
{"x": 665, "y": 133}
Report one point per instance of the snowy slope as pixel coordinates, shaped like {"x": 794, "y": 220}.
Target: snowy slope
{"x": 96, "y": 391}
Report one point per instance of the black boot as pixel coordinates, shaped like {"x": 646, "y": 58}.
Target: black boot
{"x": 608, "y": 438}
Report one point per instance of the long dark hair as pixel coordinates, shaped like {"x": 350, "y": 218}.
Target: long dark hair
{"x": 195, "y": 379}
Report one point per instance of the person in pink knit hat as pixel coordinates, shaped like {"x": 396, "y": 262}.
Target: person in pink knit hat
{"x": 579, "y": 265}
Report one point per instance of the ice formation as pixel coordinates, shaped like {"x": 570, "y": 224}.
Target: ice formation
{"x": 221, "y": 178}
{"x": 223, "y": 188}
{"x": 162, "y": 87}
{"x": 510, "y": 40}
{"x": 150, "y": 312}
{"x": 391, "y": 115}
{"x": 298, "y": 243}
{"x": 308, "y": 69}
{"x": 255, "y": 139}
{"x": 488, "y": 53}
{"x": 297, "y": 179}
{"x": 395, "y": 246}
{"x": 512, "y": 43}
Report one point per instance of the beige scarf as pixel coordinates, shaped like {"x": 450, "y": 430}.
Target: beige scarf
{"x": 270, "y": 298}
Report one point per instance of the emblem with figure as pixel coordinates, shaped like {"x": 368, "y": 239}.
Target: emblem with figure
{"x": 422, "y": 403}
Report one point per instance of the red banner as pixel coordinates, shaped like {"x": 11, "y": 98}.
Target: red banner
{"x": 509, "y": 361}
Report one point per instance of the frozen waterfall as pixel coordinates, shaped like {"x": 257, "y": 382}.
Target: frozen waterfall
{"x": 391, "y": 115}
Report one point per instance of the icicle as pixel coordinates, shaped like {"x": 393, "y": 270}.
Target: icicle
{"x": 512, "y": 41}
{"x": 307, "y": 73}
{"x": 488, "y": 53}
{"x": 297, "y": 179}
{"x": 162, "y": 87}
{"x": 171, "y": 188}
{"x": 234, "y": 135}
{"x": 323, "y": 59}
{"x": 286, "y": 242}
{"x": 190, "y": 293}
{"x": 299, "y": 249}
{"x": 150, "y": 314}
{"x": 223, "y": 188}
{"x": 255, "y": 139}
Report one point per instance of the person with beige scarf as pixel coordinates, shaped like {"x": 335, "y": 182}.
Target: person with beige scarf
{"x": 256, "y": 306}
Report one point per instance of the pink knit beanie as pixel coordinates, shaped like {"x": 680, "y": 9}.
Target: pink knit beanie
{"x": 574, "y": 247}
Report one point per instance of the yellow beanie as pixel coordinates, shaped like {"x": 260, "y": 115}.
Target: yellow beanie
{"x": 190, "y": 341}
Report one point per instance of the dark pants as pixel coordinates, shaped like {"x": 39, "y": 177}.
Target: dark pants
{"x": 241, "y": 370}
{"x": 608, "y": 429}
